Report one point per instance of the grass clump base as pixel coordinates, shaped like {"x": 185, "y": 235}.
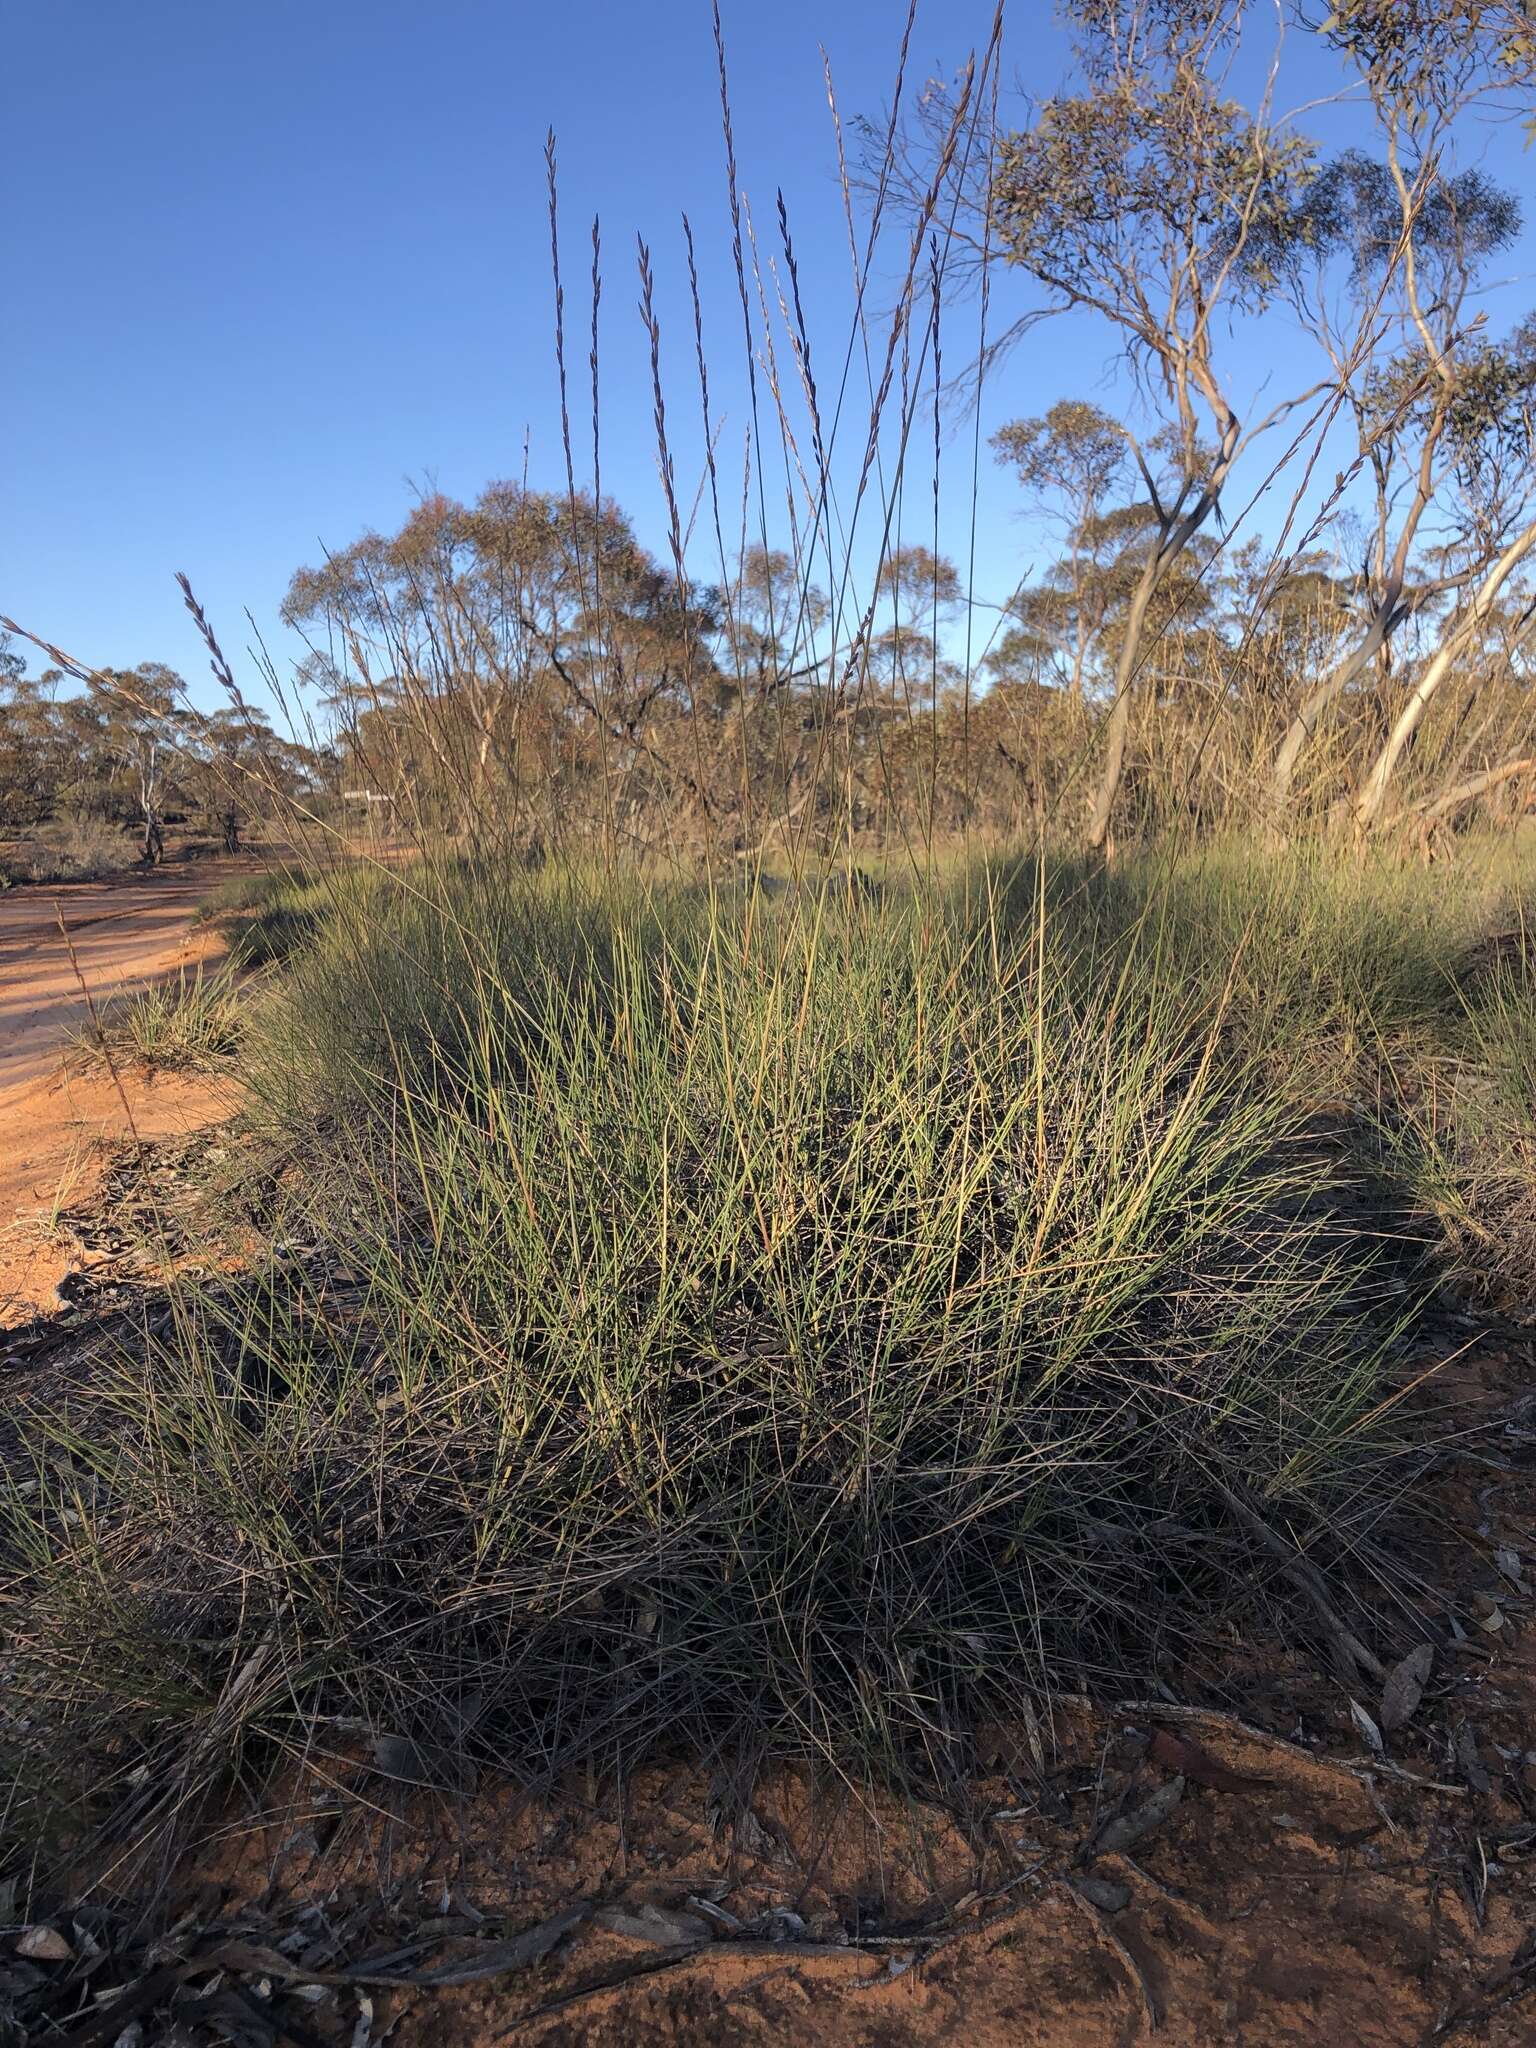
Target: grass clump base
{"x": 267, "y": 916}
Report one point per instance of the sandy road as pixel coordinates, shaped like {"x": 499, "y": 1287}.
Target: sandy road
{"x": 108, "y": 935}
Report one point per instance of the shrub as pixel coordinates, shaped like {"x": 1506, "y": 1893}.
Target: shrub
{"x": 75, "y": 847}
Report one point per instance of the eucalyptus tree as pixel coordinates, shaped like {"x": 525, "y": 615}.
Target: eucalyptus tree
{"x": 526, "y": 628}
{"x": 141, "y": 728}
{"x": 1074, "y": 458}
{"x": 1075, "y": 619}
{"x": 1497, "y": 412}
{"x": 33, "y": 742}
{"x": 918, "y": 589}
{"x": 1426, "y": 66}
{"x": 770, "y": 616}
{"x": 1140, "y": 197}
{"x": 1383, "y": 269}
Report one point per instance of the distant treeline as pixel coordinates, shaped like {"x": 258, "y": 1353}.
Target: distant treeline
{"x": 523, "y": 666}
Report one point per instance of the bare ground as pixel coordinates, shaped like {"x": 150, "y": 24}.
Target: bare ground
{"x": 56, "y": 945}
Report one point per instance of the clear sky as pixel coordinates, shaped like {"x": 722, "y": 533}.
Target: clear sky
{"x": 273, "y": 266}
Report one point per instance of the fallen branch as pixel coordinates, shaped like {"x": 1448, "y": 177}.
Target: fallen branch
{"x": 1475, "y": 786}
{"x": 1305, "y": 1575}
{"x": 674, "y": 1959}
{"x": 1112, "y": 1941}
{"x": 1378, "y": 1767}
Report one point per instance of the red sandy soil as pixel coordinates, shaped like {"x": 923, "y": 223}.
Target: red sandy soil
{"x": 1300, "y": 1900}
{"x": 105, "y": 935}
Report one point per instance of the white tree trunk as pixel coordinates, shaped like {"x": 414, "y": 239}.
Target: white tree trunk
{"x": 1304, "y": 724}
{"x": 1372, "y": 791}
{"x": 1118, "y": 726}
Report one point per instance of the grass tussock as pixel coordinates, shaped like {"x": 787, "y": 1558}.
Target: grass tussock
{"x": 1465, "y": 1136}
{"x": 267, "y": 916}
{"x": 810, "y": 1319}
{"x": 795, "y": 1325}
{"x": 185, "y": 1023}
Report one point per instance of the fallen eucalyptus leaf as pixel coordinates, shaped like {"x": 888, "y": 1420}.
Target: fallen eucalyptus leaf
{"x": 1404, "y": 1688}
{"x": 43, "y": 1945}
{"x": 716, "y": 1914}
{"x": 1467, "y": 1758}
{"x": 517, "y": 1952}
{"x": 665, "y": 1926}
{"x": 1121, "y": 1830}
{"x": 1368, "y": 1729}
{"x": 778, "y": 1923}
{"x": 1107, "y": 1893}
{"x": 423, "y": 1763}
{"x": 19, "y": 1980}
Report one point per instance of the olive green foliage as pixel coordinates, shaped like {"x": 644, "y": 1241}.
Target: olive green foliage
{"x": 797, "y": 1319}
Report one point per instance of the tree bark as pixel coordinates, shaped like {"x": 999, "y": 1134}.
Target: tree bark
{"x": 1118, "y": 727}
{"x": 1373, "y": 789}
{"x": 1475, "y": 786}
{"x": 1302, "y": 727}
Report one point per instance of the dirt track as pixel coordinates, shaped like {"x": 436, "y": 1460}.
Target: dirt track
{"x": 105, "y": 935}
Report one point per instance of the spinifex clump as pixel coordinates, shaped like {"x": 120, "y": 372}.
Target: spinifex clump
{"x": 802, "y": 1324}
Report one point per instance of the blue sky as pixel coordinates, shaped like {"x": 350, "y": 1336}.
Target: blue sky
{"x": 274, "y": 266}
